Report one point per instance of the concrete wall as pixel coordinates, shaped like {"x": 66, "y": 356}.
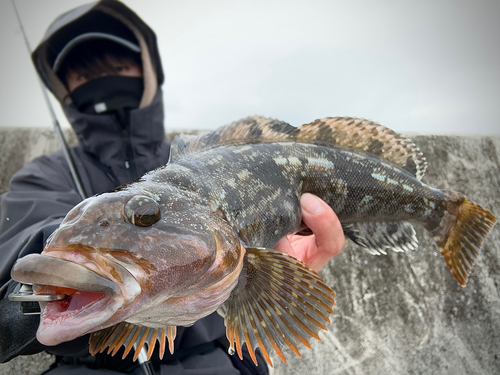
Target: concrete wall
{"x": 395, "y": 314}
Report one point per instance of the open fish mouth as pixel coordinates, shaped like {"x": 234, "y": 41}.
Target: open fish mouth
{"x": 91, "y": 299}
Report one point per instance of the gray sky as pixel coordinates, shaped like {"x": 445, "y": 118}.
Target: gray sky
{"x": 426, "y": 66}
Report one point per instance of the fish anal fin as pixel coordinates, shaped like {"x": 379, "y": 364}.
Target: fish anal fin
{"x": 378, "y": 237}
{"x": 171, "y": 333}
{"x": 131, "y": 336}
{"x": 367, "y": 136}
{"x": 278, "y": 302}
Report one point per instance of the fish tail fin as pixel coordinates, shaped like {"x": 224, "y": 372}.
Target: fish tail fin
{"x": 461, "y": 232}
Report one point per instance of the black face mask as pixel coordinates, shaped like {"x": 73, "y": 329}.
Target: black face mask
{"x": 108, "y": 94}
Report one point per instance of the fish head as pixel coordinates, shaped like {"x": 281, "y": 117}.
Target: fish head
{"x": 117, "y": 255}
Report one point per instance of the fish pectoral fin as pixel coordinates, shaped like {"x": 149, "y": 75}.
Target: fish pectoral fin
{"x": 278, "y": 301}
{"x": 378, "y": 237}
{"x": 132, "y": 336}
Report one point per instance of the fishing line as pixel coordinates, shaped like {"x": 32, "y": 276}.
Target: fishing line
{"x": 57, "y": 126}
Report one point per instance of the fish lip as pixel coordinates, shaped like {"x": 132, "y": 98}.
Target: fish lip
{"x": 60, "y": 326}
{"x": 55, "y": 270}
{"x": 39, "y": 269}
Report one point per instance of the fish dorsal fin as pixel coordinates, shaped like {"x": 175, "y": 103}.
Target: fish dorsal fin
{"x": 132, "y": 336}
{"x": 358, "y": 134}
{"x": 367, "y": 136}
{"x": 255, "y": 129}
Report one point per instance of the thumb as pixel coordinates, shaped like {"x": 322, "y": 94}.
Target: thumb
{"x": 325, "y": 225}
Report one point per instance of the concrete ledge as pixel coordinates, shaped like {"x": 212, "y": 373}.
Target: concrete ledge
{"x": 18, "y": 146}
{"x": 395, "y": 314}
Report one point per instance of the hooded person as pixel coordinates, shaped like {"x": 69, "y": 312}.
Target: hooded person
{"x": 118, "y": 119}
{"x": 101, "y": 62}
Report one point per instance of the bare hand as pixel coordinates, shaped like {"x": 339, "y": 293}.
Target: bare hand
{"x": 327, "y": 240}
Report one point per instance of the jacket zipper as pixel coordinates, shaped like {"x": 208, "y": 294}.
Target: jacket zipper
{"x": 129, "y": 162}
{"x": 129, "y": 157}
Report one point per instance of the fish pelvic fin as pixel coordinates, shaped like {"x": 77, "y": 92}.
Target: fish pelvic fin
{"x": 461, "y": 232}
{"x": 278, "y": 302}
{"x": 132, "y": 336}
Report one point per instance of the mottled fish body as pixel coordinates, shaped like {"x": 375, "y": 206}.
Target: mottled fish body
{"x": 270, "y": 179}
{"x": 196, "y": 235}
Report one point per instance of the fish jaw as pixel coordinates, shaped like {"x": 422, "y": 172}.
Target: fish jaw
{"x": 94, "y": 301}
{"x": 59, "y": 323}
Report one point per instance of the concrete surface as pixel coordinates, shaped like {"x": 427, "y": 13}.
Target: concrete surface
{"x": 395, "y": 314}
{"x": 20, "y": 145}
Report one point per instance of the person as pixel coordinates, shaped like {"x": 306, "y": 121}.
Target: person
{"x": 101, "y": 62}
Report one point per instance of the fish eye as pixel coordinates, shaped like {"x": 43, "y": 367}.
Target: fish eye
{"x": 142, "y": 211}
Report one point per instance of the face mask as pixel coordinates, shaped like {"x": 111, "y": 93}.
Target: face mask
{"x": 108, "y": 94}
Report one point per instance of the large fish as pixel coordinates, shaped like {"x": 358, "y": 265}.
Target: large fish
{"x": 196, "y": 235}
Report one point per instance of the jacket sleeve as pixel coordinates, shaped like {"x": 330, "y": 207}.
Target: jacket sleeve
{"x": 40, "y": 195}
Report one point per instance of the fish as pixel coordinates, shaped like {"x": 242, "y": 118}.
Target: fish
{"x": 197, "y": 235}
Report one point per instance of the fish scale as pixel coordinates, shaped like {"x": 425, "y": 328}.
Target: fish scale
{"x": 196, "y": 235}
{"x": 282, "y": 172}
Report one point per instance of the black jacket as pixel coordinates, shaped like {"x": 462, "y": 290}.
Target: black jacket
{"x": 43, "y": 192}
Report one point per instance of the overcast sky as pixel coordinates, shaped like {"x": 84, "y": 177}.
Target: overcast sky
{"x": 426, "y": 66}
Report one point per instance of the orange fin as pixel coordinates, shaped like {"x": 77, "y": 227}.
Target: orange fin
{"x": 278, "y": 302}
{"x": 461, "y": 232}
{"x": 131, "y": 336}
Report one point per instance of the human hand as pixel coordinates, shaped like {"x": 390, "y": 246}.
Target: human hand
{"x": 326, "y": 241}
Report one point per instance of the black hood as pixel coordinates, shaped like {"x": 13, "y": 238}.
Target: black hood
{"x": 99, "y": 16}
{"x": 103, "y": 137}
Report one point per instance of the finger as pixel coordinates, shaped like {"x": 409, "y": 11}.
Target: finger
{"x": 285, "y": 246}
{"x": 328, "y": 233}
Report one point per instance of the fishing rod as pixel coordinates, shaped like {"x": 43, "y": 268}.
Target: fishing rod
{"x": 57, "y": 126}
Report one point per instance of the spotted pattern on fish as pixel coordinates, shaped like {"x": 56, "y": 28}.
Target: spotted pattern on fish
{"x": 366, "y": 203}
{"x": 381, "y": 190}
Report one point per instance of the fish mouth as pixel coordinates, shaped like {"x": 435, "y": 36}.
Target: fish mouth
{"x": 92, "y": 299}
